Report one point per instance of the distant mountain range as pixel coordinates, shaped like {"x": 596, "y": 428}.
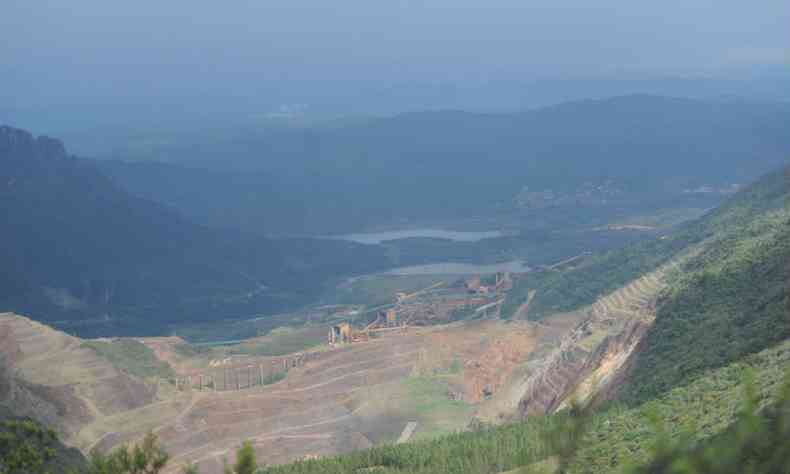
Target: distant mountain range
{"x": 357, "y": 174}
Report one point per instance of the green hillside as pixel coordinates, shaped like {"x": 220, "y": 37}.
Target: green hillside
{"x": 722, "y": 331}
{"x": 568, "y": 291}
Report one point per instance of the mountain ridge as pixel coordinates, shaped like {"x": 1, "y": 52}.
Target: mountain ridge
{"x": 447, "y": 165}
{"x": 143, "y": 266}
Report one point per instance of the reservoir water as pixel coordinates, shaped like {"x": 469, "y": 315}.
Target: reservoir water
{"x": 379, "y": 237}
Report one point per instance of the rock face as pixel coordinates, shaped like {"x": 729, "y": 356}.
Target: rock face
{"x": 593, "y": 357}
{"x": 26, "y": 151}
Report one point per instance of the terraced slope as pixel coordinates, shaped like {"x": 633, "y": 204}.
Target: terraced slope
{"x": 312, "y": 412}
{"x": 73, "y": 386}
{"x": 592, "y": 354}
{"x": 335, "y": 401}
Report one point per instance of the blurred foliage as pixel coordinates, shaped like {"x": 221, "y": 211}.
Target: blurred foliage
{"x": 759, "y": 442}
{"x": 25, "y": 447}
{"x": 147, "y": 457}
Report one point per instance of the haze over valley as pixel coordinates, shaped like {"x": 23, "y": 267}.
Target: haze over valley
{"x": 400, "y": 237}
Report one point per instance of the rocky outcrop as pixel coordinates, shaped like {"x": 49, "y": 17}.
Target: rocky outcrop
{"x": 606, "y": 367}
{"x": 23, "y": 156}
{"x": 547, "y": 388}
{"x": 572, "y": 372}
{"x": 593, "y": 356}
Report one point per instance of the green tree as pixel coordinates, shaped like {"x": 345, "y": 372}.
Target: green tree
{"x": 757, "y": 443}
{"x": 25, "y": 447}
{"x": 565, "y": 438}
{"x": 245, "y": 460}
{"x": 147, "y": 457}
{"x": 191, "y": 469}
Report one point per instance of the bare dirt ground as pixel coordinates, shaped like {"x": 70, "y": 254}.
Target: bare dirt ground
{"x": 336, "y": 401}
{"x": 165, "y": 349}
{"x": 83, "y": 386}
{"x": 485, "y": 351}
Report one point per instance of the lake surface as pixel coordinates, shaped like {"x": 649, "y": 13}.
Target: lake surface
{"x": 515, "y": 266}
{"x": 379, "y": 237}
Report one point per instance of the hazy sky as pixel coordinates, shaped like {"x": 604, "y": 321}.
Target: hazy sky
{"x": 57, "y": 51}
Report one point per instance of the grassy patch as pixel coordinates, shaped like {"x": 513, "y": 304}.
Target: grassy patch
{"x": 274, "y": 377}
{"x": 191, "y": 350}
{"x": 427, "y": 401}
{"x": 132, "y": 357}
{"x": 282, "y": 341}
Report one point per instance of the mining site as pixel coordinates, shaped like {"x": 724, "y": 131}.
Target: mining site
{"x": 401, "y": 372}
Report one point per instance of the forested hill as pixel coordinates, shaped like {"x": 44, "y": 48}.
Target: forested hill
{"x": 707, "y": 388}
{"x": 78, "y": 248}
{"x": 602, "y": 274}
{"x": 344, "y": 176}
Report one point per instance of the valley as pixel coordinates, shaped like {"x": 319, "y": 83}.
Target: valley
{"x": 421, "y": 358}
{"x": 321, "y": 351}
{"x": 355, "y": 237}
{"x": 436, "y": 362}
